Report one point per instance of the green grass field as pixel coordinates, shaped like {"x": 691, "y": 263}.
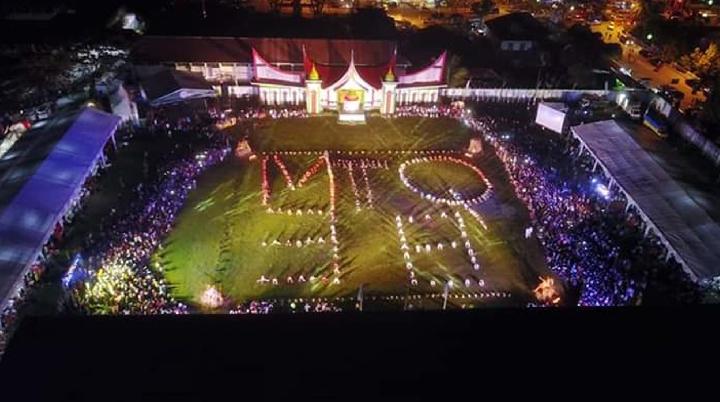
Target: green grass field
{"x": 439, "y": 177}
{"x": 225, "y": 237}
{"x": 323, "y": 133}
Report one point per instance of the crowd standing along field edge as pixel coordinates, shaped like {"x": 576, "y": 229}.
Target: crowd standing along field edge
{"x": 277, "y": 227}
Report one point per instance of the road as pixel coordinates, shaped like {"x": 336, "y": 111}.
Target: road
{"x": 641, "y": 68}
{"x": 418, "y": 17}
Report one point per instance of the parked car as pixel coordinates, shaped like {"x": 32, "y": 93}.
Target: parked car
{"x": 655, "y": 122}
{"x": 672, "y": 94}
{"x": 40, "y": 112}
{"x": 634, "y": 111}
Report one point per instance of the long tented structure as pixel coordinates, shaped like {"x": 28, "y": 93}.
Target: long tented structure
{"x": 174, "y": 86}
{"x": 685, "y": 228}
{"x": 41, "y": 177}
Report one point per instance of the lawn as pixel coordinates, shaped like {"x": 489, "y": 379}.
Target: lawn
{"x": 439, "y": 177}
{"x": 227, "y": 238}
{"x": 323, "y": 133}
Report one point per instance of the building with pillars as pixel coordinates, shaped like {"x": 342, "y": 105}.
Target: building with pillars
{"x": 349, "y": 89}
{"x": 348, "y": 76}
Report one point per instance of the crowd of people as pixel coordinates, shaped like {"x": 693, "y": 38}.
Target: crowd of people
{"x": 455, "y": 110}
{"x": 8, "y": 316}
{"x": 258, "y": 113}
{"x": 273, "y": 306}
{"x": 590, "y": 240}
{"x": 122, "y": 280}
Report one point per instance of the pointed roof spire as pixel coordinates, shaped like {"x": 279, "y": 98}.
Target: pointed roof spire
{"x": 351, "y": 68}
{"x": 313, "y": 75}
{"x": 390, "y": 76}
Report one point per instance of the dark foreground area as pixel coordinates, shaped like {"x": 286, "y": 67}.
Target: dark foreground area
{"x": 382, "y": 356}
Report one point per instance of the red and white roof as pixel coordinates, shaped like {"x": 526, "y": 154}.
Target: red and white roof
{"x": 351, "y": 79}
{"x": 335, "y": 76}
{"x": 264, "y": 72}
{"x": 432, "y": 75}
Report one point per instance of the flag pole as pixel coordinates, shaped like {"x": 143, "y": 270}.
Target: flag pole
{"x": 446, "y": 291}
{"x": 360, "y": 297}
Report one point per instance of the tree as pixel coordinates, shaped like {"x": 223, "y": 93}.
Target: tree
{"x": 705, "y": 63}
{"x": 457, "y": 75}
{"x": 581, "y": 75}
{"x": 583, "y": 51}
{"x": 483, "y": 7}
{"x": 317, "y": 7}
{"x": 671, "y": 38}
{"x": 275, "y": 5}
{"x": 710, "y": 113}
{"x": 456, "y": 4}
{"x": 580, "y": 44}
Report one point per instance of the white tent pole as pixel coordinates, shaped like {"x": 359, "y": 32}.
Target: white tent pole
{"x": 114, "y": 142}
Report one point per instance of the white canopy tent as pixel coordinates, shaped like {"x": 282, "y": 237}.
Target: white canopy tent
{"x": 174, "y": 86}
{"x": 685, "y": 228}
{"x": 40, "y": 178}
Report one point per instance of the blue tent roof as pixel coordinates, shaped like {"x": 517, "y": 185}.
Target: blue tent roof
{"x": 40, "y": 177}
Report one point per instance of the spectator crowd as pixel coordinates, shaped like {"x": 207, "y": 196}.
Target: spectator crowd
{"x": 122, "y": 280}
{"x": 597, "y": 247}
{"x": 280, "y": 306}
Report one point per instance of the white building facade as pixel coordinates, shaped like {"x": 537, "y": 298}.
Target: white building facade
{"x": 321, "y": 74}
